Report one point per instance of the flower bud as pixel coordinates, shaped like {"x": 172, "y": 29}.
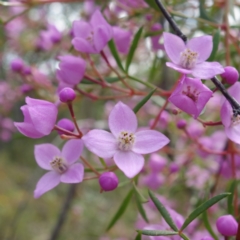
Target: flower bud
{"x": 67, "y": 95}
{"x": 173, "y": 168}
{"x": 227, "y": 225}
{"x": 66, "y": 124}
{"x": 230, "y": 75}
{"x": 17, "y": 65}
{"x": 181, "y": 124}
{"x": 108, "y": 181}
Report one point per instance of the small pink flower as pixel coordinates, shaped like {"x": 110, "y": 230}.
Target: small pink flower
{"x": 125, "y": 144}
{"x": 61, "y": 165}
{"x": 191, "y": 96}
{"x": 39, "y": 118}
{"x": 190, "y": 58}
{"x": 91, "y": 37}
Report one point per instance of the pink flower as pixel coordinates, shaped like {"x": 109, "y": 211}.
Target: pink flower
{"x": 125, "y": 144}
{"x": 61, "y": 165}
{"x": 39, "y": 118}
{"x": 230, "y": 122}
{"x": 190, "y": 58}
{"x": 91, "y": 37}
{"x": 191, "y": 96}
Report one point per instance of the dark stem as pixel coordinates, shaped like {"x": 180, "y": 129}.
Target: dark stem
{"x": 235, "y": 105}
{"x": 64, "y": 211}
{"x": 171, "y": 21}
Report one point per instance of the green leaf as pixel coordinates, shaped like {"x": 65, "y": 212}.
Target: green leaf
{"x": 163, "y": 211}
{"x": 103, "y": 162}
{"x": 152, "y": 4}
{"x": 216, "y": 40}
{"x": 230, "y": 197}
{"x": 133, "y": 47}
{"x": 208, "y": 225}
{"x": 114, "y": 52}
{"x": 203, "y": 13}
{"x": 121, "y": 210}
{"x": 184, "y": 236}
{"x": 143, "y": 101}
{"x": 157, "y": 233}
{"x": 147, "y": 84}
{"x": 108, "y": 79}
{"x": 139, "y": 236}
{"x": 141, "y": 209}
{"x": 203, "y": 207}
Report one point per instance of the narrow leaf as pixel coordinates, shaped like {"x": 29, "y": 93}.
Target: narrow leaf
{"x": 141, "y": 209}
{"x": 152, "y": 4}
{"x": 208, "y": 225}
{"x": 203, "y": 13}
{"x": 157, "y": 233}
{"x": 230, "y": 197}
{"x": 121, "y": 209}
{"x": 143, "y": 101}
{"x": 108, "y": 79}
{"x": 114, "y": 52}
{"x": 203, "y": 207}
{"x": 103, "y": 162}
{"x": 163, "y": 211}
{"x": 133, "y": 47}
{"x": 139, "y": 236}
{"x": 216, "y": 40}
{"x": 184, "y": 236}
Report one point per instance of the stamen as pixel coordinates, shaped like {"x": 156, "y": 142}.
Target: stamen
{"x": 235, "y": 120}
{"x": 188, "y": 58}
{"x": 59, "y": 165}
{"x": 126, "y": 141}
{"x": 193, "y": 94}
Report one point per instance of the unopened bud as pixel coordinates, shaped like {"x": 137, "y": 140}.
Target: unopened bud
{"x": 108, "y": 181}
{"x": 230, "y": 75}
{"x": 67, "y": 95}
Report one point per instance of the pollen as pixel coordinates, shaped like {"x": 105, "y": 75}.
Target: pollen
{"x": 126, "y": 141}
{"x": 188, "y": 58}
{"x": 58, "y": 165}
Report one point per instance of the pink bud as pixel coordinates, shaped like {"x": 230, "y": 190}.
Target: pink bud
{"x": 67, "y": 95}
{"x": 108, "y": 181}
{"x": 230, "y": 75}
{"x": 181, "y": 124}
{"x": 227, "y": 225}
{"x": 66, "y": 124}
{"x": 17, "y": 65}
{"x": 173, "y": 168}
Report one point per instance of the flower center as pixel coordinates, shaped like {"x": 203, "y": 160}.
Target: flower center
{"x": 191, "y": 93}
{"x": 188, "y": 58}
{"x": 59, "y": 165}
{"x": 125, "y": 141}
{"x": 90, "y": 38}
{"x": 235, "y": 120}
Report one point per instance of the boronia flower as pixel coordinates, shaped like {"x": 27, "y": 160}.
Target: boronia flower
{"x": 39, "y": 118}
{"x": 191, "y": 96}
{"x": 190, "y": 58}
{"x": 61, "y": 165}
{"x": 125, "y": 144}
{"x": 231, "y": 122}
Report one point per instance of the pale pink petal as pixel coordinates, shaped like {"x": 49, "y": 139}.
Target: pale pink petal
{"x": 100, "y": 38}
{"x": 202, "y": 45}
{"x": 207, "y": 70}
{"x": 122, "y": 118}
{"x": 81, "y": 29}
{"x": 233, "y": 133}
{"x": 173, "y": 45}
{"x": 47, "y": 182}
{"x": 100, "y": 142}
{"x": 97, "y": 19}
{"x": 178, "y": 68}
{"x": 148, "y": 141}
{"x": 72, "y": 150}
{"x": 28, "y": 130}
{"x": 33, "y": 102}
{"x": 74, "y": 174}
{"x": 45, "y": 153}
{"x": 83, "y": 45}
{"x": 129, "y": 162}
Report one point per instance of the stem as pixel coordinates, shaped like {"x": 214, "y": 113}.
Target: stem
{"x": 56, "y": 127}
{"x": 64, "y": 211}
{"x": 90, "y": 166}
{"x": 171, "y": 21}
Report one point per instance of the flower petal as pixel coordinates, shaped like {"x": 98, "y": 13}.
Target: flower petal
{"x": 47, "y": 182}
{"x": 72, "y": 150}
{"x": 74, "y": 174}
{"x": 129, "y": 162}
{"x": 202, "y": 45}
{"x": 100, "y": 38}
{"x": 207, "y": 70}
{"x": 81, "y": 29}
{"x": 44, "y": 153}
{"x": 178, "y": 68}
{"x": 122, "y": 118}
{"x": 100, "y": 142}
{"x": 233, "y": 133}
{"x": 173, "y": 45}
{"x": 28, "y": 130}
{"x": 83, "y": 45}
{"x": 148, "y": 141}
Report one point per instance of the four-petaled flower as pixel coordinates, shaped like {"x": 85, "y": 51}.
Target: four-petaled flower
{"x": 190, "y": 58}
{"x": 191, "y": 96}
{"x": 231, "y": 122}
{"x": 125, "y": 144}
{"x": 61, "y": 165}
